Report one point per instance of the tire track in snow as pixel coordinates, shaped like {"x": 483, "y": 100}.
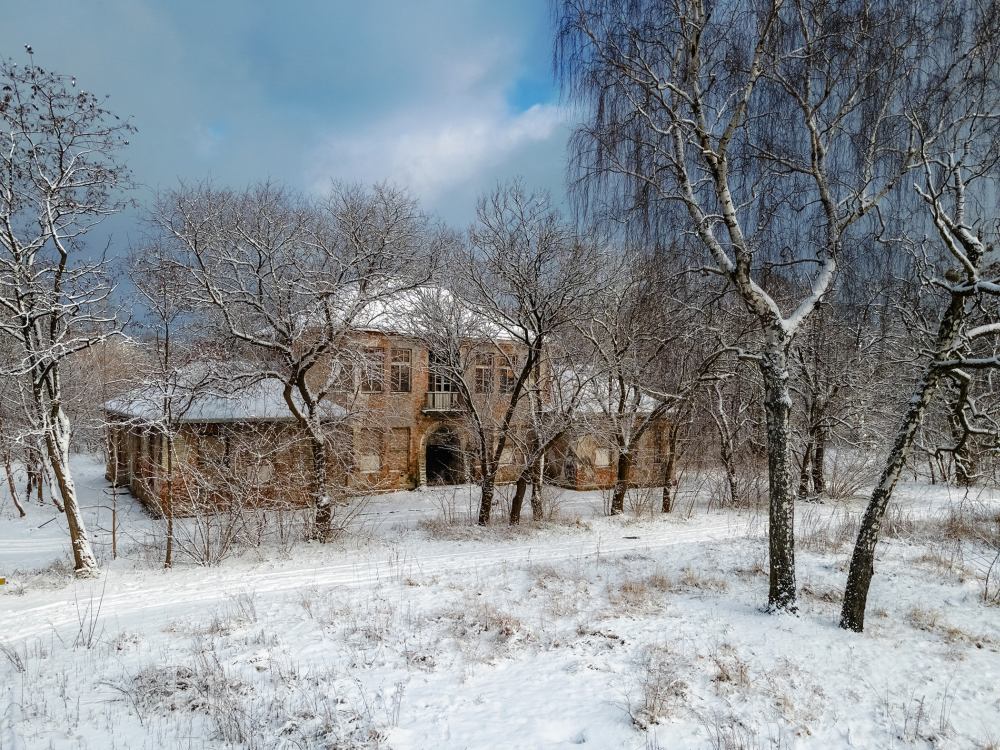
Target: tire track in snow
{"x": 130, "y": 599}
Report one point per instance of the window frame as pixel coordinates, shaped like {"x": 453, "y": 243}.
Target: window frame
{"x": 506, "y": 380}
{"x": 373, "y": 360}
{"x": 398, "y": 367}
{"x": 438, "y": 381}
{"x": 483, "y": 380}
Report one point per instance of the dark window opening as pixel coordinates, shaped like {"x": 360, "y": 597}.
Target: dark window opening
{"x": 443, "y": 459}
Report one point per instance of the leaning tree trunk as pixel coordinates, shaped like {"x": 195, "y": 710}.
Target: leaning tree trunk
{"x": 12, "y": 486}
{"x": 518, "y": 500}
{"x": 621, "y": 482}
{"x": 9, "y": 467}
{"x": 859, "y": 577}
{"x": 781, "y": 509}
{"x": 57, "y": 446}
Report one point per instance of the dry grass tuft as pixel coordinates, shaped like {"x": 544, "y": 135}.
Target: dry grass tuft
{"x": 821, "y": 593}
{"x": 730, "y": 668}
{"x": 932, "y": 621}
{"x": 661, "y": 691}
{"x": 824, "y": 534}
{"x": 639, "y": 594}
{"x": 696, "y": 580}
{"x": 484, "y": 631}
{"x": 465, "y": 531}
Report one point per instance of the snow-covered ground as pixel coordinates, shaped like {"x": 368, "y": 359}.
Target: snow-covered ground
{"x": 584, "y": 631}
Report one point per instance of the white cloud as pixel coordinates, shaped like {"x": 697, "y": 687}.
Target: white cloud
{"x": 434, "y": 154}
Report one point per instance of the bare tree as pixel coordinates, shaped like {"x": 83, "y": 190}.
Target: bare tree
{"x": 12, "y": 435}
{"x": 287, "y": 278}
{"x": 59, "y": 177}
{"x": 733, "y": 418}
{"x": 558, "y": 393}
{"x": 958, "y": 188}
{"x": 178, "y": 371}
{"x": 844, "y": 374}
{"x": 647, "y": 356}
{"x": 765, "y": 133}
{"x": 526, "y": 274}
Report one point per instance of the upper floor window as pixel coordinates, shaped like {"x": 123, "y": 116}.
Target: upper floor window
{"x": 483, "y": 372}
{"x": 439, "y": 378}
{"x": 400, "y": 376}
{"x": 507, "y": 379}
{"x": 372, "y": 369}
{"x": 343, "y": 375}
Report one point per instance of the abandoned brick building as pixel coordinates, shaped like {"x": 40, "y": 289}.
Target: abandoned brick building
{"x": 400, "y": 424}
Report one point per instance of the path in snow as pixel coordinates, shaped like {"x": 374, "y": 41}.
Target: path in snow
{"x": 125, "y": 598}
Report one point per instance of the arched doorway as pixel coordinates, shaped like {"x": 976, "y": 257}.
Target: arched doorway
{"x": 443, "y": 462}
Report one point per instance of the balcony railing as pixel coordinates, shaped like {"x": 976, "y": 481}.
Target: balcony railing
{"x": 443, "y": 401}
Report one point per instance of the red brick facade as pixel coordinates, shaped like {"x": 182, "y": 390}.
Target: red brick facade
{"x": 404, "y": 429}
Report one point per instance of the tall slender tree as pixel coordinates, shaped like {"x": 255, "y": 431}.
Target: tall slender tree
{"x": 958, "y": 187}
{"x": 60, "y": 176}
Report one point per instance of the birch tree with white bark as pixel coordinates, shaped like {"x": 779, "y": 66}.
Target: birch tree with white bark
{"x": 957, "y": 187}
{"x": 60, "y": 176}
{"x": 752, "y": 130}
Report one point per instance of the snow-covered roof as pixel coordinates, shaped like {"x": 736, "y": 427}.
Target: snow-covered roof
{"x": 258, "y": 401}
{"x": 403, "y": 312}
{"x": 595, "y": 395}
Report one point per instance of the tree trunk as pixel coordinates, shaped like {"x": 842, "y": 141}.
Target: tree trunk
{"x": 321, "y": 497}
{"x": 57, "y": 445}
{"x": 781, "y": 509}
{"x": 965, "y": 469}
{"x": 39, "y": 474}
{"x": 168, "y": 557}
{"x": 488, "y": 486}
{"x": 12, "y": 486}
{"x": 621, "y": 482}
{"x": 537, "y": 505}
{"x": 804, "y": 471}
{"x": 518, "y": 500}
{"x": 859, "y": 577}
{"x": 819, "y": 460}
{"x": 669, "y": 478}
{"x": 34, "y": 467}
{"x": 965, "y": 465}
{"x": 729, "y": 464}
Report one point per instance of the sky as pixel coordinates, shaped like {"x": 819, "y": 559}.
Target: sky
{"x": 446, "y": 97}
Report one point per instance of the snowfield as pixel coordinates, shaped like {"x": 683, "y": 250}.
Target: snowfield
{"x": 583, "y": 631}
